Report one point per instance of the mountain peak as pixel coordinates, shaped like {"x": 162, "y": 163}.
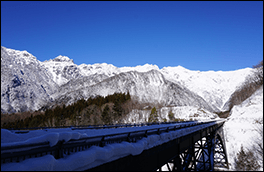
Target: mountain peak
{"x": 140, "y": 68}
{"x": 174, "y": 68}
{"x": 18, "y": 55}
{"x": 61, "y": 58}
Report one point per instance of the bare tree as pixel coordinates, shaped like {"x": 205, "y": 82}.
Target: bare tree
{"x": 248, "y": 87}
{"x": 258, "y": 73}
{"x": 246, "y": 160}
{"x": 258, "y": 143}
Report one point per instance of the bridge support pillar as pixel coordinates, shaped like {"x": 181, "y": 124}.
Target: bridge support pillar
{"x": 220, "y": 156}
{"x": 177, "y": 163}
{"x": 203, "y": 155}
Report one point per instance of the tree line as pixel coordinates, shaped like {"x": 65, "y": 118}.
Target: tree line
{"x": 97, "y": 110}
{"x": 249, "y": 86}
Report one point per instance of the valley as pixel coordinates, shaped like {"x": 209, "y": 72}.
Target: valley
{"x": 58, "y": 92}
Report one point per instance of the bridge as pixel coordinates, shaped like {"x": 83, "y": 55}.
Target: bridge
{"x": 182, "y": 146}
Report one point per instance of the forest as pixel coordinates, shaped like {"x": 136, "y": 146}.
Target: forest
{"x": 93, "y": 111}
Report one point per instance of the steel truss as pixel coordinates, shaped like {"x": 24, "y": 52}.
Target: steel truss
{"x": 220, "y": 157}
{"x": 203, "y": 155}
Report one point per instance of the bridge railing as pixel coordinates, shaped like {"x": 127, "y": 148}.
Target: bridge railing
{"x": 99, "y": 126}
{"x": 61, "y": 149}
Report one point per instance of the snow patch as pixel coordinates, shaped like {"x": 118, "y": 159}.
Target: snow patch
{"x": 240, "y": 127}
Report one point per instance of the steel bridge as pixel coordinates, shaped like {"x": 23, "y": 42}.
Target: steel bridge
{"x": 200, "y": 147}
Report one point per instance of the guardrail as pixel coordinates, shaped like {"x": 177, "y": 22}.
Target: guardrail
{"x": 100, "y": 126}
{"x": 61, "y": 149}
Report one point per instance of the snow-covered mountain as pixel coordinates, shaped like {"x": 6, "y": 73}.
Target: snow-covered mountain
{"x": 29, "y": 83}
{"x": 25, "y": 84}
{"x": 243, "y": 126}
{"x": 146, "y": 87}
{"x": 180, "y": 112}
{"x": 62, "y": 69}
{"x": 214, "y": 87}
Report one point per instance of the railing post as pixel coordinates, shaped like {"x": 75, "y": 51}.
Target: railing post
{"x": 177, "y": 160}
{"x": 128, "y": 137}
{"x": 146, "y": 133}
{"x": 59, "y": 150}
{"x": 102, "y": 143}
{"x": 158, "y": 131}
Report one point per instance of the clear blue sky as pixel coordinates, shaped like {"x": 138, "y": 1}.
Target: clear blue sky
{"x": 196, "y": 35}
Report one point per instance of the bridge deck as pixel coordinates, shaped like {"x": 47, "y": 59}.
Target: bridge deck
{"x": 102, "y": 151}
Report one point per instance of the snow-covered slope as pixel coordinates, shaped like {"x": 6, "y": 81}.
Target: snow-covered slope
{"x": 25, "y": 84}
{"x": 146, "y": 87}
{"x": 58, "y": 77}
{"x": 62, "y": 69}
{"x": 139, "y": 68}
{"x": 241, "y": 127}
{"x": 214, "y": 86}
{"x": 182, "y": 112}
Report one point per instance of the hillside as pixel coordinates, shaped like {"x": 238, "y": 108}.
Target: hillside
{"x": 241, "y": 128}
{"x": 146, "y": 87}
{"x": 25, "y": 84}
{"x": 28, "y": 84}
{"x": 70, "y": 94}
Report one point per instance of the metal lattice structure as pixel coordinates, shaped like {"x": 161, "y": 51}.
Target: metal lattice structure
{"x": 220, "y": 156}
{"x": 204, "y": 155}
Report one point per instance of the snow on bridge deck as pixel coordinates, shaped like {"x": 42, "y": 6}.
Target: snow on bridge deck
{"x": 88, "y": 158}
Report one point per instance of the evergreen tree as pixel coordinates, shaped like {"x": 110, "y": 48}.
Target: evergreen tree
{"x": 171, "y": 115}
{"x": 246, "y": 161}
{"x": 106, "y": 115}
{"x": 153, "y": 117}
{"x": 128, "y": 97}
{"x": 117, "y": 107}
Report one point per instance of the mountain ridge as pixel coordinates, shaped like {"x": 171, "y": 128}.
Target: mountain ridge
{"x": 25, "y": 84}
{"x": 62, "y": 75}
{"x": 146, "y": 87}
